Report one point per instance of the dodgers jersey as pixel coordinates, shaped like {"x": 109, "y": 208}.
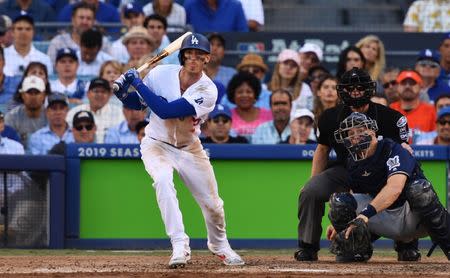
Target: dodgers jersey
{"x": 164, "y": 81}
{"x": 370, "y": 175}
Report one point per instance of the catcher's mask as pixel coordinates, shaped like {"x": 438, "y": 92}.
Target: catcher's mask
{"x": 354, "y": 133}
{"x": 356, "y": 80}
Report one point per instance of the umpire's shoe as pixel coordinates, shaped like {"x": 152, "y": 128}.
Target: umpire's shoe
{"x": 407, "y": 252}
{"x": 305, "y": 254}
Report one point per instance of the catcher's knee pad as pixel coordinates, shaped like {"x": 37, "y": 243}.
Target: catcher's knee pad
{"x": 420, "y": 195}
{"x": 342, "y": 210}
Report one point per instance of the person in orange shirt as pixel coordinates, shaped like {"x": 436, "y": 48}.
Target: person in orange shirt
{"x": 421, "y": 116}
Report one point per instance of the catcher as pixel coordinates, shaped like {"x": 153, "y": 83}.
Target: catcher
{"x": 391, "y": 196}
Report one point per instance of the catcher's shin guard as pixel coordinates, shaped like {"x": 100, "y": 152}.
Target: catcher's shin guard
{"x": 423, "y": 200}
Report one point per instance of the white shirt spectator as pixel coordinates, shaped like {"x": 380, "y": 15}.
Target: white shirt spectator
{"x": 176, "y": 20}
{"x": 305, "y": 100}
{"x": 15, "y": 64}
{"x": 94, "y": 67}
{"x": 109, "y": 116}
{"x": 429, "y": 16}
{"x": 253, "y": 10}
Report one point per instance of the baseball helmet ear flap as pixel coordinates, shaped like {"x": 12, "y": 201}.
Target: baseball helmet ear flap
{"x": 194, "y": 41}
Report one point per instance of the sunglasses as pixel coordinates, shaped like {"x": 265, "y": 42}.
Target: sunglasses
{"x": 88, "y": 127}
{"x": 222, "y": 120}
{"x": 351, "y": 88}
{"x": 443, "y": 122}
{"x": 428, "y": 63}
{"x": 389, "y": 84}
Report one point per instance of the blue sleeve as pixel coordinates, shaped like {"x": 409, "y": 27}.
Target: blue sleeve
{"x": 241, "y": 20}
{"x": 165, "y": 110}
{"x": 220, "y": 91}
{"x": 400, "y": 161}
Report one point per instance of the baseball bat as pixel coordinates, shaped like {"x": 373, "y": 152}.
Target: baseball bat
{"x": 171, "y": 48}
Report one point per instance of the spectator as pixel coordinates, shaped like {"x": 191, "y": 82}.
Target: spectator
{"x": 67, "y": 82}
{"x": 420, "y": 115}
{"x": 286, "y": 75}
{"x": 140, "y": 130}
{"x": 427, "y": 16}
{"x": 106, "y": 115}
{"x": 427, "y": 65}
{"x": 56, "y": 108}
{"x": 373, "y": 50}
{"x": 39, "y": 10}
{"x": 441, "y": 136}
{"x": 219, "y": 125}
{"x": 34, "y": 68}
{"x": 254, "y": 64}
{"x": 29, "y": 116}
{"x": 174, "y": 13}
{"x": 310, "y": 56}
{"x": 254, "y": 13}
{"x": 215, "y": 16}
{"x": 157, "y": 29}
{"x": 349, "y": 58}
{"x": 90, "y": 55}
{"x": 110, "y": 71}
{"x": 327, "y": 96}
{"x": 388, "y": 80}
{"x": 441, "y": 102}
{"x": 125, "y": 132}
{"x": 7, "y": 145}
{"x": 83, "y": 131}
{"x": 214, "y": 69}
{"x": 244, "y": 90}
{"x": 132, "y": 16}
{"x": 380, "y": 99}
{"x": 104, "y": 12}
{"x": 444, "y": 49}
{"x": 6, "y": 38}
{"x": 22, "y": 51}
{"x": 301, "y": 126}
{"x": 8, "y": 84}
{"x": 315, "y": 75}
{"x": 138, "y": 45}
{"x": 277, "y": 130}
{"x": 83, "y": 18}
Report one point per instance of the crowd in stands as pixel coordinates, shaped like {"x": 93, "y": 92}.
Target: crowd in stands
{"x": 64, "y": 96}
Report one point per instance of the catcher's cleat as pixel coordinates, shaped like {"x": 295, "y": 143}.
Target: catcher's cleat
{"x": 407, "y": 252}
{"x": 306, "y": 255}
{"x": 179, "y": 258}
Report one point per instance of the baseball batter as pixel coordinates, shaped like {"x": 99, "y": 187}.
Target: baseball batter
{"x": 180, "y": 97}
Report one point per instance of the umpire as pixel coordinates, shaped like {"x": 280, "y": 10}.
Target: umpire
{"x": 355, "y": 90}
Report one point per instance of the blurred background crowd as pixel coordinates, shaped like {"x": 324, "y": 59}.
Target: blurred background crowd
{"x": 58, "y": 60}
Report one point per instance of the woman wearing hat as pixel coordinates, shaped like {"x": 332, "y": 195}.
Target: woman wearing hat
{"x": 138, "y": 45}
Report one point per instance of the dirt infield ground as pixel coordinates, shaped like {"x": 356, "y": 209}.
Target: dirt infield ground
{"x": 68, "y": 263}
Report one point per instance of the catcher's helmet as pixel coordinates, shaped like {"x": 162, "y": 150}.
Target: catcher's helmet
{"x": 358, "y": 141}
{"x": 194, "y": 41}
{"x": 357, "y": 79}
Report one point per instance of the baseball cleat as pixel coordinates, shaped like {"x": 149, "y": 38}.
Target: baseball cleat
{"x": 229, "y": 257}
{"x": 179, "y": 258}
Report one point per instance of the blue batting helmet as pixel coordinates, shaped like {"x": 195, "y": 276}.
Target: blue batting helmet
{"x": 194, "y": 41}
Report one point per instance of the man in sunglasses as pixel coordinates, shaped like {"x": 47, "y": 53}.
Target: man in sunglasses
{"x": 428, "y": 67}
{"x": 389, "y": 84}
{"x": 219, "y": 126}
{"x": 355, "y": 90}
{"x": 441, "y": 136}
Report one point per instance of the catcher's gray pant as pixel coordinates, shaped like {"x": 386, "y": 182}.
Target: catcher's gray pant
{"x": 312, "y": 199}
{"x": 399, "y": 224}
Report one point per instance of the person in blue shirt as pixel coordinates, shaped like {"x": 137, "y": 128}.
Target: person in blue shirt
{"x": 125, "y": 132}
{"x": 8, "y": 84}
{"x": 444, "y": 50}
{"x": 215, "y": 69}
{"x": 215, "y": 16}
{"x": 39, "y": 10}
{"x": 391, "y": 197}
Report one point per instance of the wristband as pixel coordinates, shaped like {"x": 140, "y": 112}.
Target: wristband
{"x": 368, "y": 211}
{"x": 136, "y": 82}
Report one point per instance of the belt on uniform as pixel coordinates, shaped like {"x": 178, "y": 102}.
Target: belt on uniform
{"x": 180, "y": 147}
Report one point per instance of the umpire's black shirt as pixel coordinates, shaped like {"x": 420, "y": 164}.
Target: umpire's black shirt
{"x": 391, "y": 124}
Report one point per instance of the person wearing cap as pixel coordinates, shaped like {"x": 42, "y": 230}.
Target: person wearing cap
{"x": 214, "y": 69}
{"x": 30, "y": 116}
{"x": 254, "y": 64}
{"x": 22, "y": 51}
{"x": 310, "y": 56}
{"x": 8, "y": 145}
{"x": 219, "y": 126}
{"x": 427, "y": 16}
{"x": 172, "y": 11}
{"x": 216, "y": 16}
{"x": 56, "y": 108}
{"x": 301, "y": 125}
{"x": 83, "y": 18}
{"x": 138, "y": 45}
{"x": 441, "y": 136}
{"x": 157, "y": 30}
{"x": 39, "y": 10}
{"x": 389, "y": 83}
{"x": 125, "y": 132}
{"x": 106, "y": 114}
{"x": 373, "y": 50}
{"x": 66, "y": 68}
{"x": 6, "y": 38}
{"x": 444, "y": 50}
{"x": 286, "y": 75}
{"x": 277, "y": 130}
{"x": 441, "y": 102}
{"x": 90, "y": 55}
{"x": 427, "y": 65}
{"x": 421, "y": 116}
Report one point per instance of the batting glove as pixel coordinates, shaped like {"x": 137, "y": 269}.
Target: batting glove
{"x": 132, "y": 77}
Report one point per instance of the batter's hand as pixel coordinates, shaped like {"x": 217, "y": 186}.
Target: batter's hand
{"x": 131, "y": 75}
{"x": 331, "y": 232}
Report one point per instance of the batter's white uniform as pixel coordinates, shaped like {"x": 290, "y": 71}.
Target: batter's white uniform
{"x": 174, "y": 144}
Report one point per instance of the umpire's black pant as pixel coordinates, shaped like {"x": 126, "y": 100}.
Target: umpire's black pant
{"x": 312, "y": 199}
